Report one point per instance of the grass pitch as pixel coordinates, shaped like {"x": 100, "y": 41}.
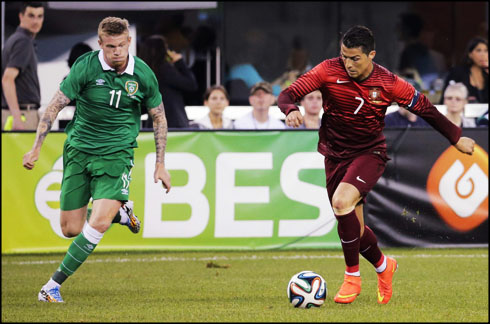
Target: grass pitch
{"x": 431, "y": 285}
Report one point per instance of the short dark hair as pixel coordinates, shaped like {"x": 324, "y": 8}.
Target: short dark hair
{"x": 76, "y": 51}
{"x": 24, "y": 6}
{"x": 359, "y": 36}
{"x": 215, "y": 87}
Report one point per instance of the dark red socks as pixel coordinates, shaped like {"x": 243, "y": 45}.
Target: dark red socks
{"x": 349, "y": 230}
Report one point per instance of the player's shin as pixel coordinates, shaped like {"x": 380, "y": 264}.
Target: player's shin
{"x": 116, "y": 220}
{"x": 369, "y": 248}
{"x": 81, "y": 247}
{"x": 349, "y": 230}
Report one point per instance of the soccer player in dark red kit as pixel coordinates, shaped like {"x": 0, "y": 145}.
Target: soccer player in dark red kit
{"x": 356, "y": 93}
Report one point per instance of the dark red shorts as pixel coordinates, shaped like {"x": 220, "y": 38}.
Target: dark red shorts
{"x": 362, "y": 172}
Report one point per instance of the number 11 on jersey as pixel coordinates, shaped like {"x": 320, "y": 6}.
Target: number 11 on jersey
{"x": 112, "y": 92}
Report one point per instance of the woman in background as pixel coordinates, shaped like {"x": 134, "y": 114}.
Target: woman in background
{"x": 174, "y": 78}
{"x": 216, "y": 99}
{"x": 473, "y": 73}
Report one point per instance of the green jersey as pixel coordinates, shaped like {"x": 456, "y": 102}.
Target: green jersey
{"x": 108, "y": 105}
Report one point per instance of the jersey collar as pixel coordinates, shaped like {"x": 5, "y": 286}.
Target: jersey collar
{"x": 106, "y": 67}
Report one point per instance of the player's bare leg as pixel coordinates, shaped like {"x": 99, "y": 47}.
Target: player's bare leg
{"x": 125, "y": 216}
{"x": 72, "y": 221}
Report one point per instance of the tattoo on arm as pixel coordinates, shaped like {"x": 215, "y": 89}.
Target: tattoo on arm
{"x": 160, "y": 129}
{"x": 58, "y": 102}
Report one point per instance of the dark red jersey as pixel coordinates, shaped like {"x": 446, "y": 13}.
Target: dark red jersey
{"x": 353, "y": 112}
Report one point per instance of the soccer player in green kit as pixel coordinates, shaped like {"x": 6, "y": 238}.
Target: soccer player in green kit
{"x": 109, "y": 86}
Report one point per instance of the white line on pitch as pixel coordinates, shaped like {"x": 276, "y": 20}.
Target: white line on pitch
{"x": 253, "y": 257}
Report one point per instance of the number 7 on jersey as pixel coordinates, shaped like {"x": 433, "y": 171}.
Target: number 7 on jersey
{"x": 360, "y": 105}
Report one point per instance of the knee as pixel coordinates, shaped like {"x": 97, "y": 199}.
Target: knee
{"x": 341, "y": 206}
{"x": 100, "y": 226}
{"x": 338, "y": 203}
{"x": 70, "y": 230}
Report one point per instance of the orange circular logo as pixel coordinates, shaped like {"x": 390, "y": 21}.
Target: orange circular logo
{"x": 458, "y": 188}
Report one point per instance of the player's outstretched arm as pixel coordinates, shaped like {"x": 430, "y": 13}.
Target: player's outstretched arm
{"x": 465, "y": 145}
{"x": 160, "y": 129}
{"x": 58, "y": 102}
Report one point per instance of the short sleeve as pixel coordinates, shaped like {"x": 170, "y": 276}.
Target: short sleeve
{"x": 74, "y": 82}
{"x": 153, "y": 98}
{"x": 21, "y": 54}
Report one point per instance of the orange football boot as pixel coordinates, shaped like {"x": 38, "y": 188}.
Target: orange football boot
{"x": 384, "y": 281}
{"x": 349, "y": 290}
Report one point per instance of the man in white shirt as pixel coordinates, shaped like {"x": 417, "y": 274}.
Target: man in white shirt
{"x": 261, "y": 98}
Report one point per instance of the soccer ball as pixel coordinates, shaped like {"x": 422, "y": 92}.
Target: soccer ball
{"x": 307, "y": 289}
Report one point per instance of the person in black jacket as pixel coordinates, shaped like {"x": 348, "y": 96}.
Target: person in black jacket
{"x": 174, "y": 78}
{"x": 473, "y": 73}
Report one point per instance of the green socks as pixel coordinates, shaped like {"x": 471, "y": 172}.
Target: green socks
{"x": 83, "y": 245}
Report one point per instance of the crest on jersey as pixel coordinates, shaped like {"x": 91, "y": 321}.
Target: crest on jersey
{"x": 375, "y": 95}
{"x": 131, "y": 87}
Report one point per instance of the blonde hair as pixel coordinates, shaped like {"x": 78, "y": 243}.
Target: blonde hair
{"x": 457, "y": 86}
{"x": 113, "y": 26}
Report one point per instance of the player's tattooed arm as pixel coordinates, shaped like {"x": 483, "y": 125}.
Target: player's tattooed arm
{"x": 58, "y": 102}
{"x": 160, "y": 129}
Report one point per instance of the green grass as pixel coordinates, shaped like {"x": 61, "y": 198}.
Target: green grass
{"x": 431, "y": 285}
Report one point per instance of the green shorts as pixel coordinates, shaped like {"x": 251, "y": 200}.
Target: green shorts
{"x": 97, "y": 176}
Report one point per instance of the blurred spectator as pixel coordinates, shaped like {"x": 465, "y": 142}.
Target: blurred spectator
{"x": 297, "y": 65}
{"x": 174, "y": 77}
{"x": 21, "y": 94}
{"x": 417, "y": 54}
{"x": 483, "y": 120}
{"x": 473, "y": 72}
{"x": 455, "y": 98}
{"x": 171, "y": 27}
{"x": 312, "y": 103}
{"x": 404, "y": 118}
{"x": 76, "y": 51}
{"x": 216, "y": 99}
{"x": 261, "y": 98}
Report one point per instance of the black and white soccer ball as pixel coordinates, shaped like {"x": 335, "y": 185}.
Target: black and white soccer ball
{"x": 307, "y": 289}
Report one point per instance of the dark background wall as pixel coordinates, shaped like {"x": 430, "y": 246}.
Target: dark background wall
{"x": 263, "y": 32}
{"x": 269, "y": 28}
